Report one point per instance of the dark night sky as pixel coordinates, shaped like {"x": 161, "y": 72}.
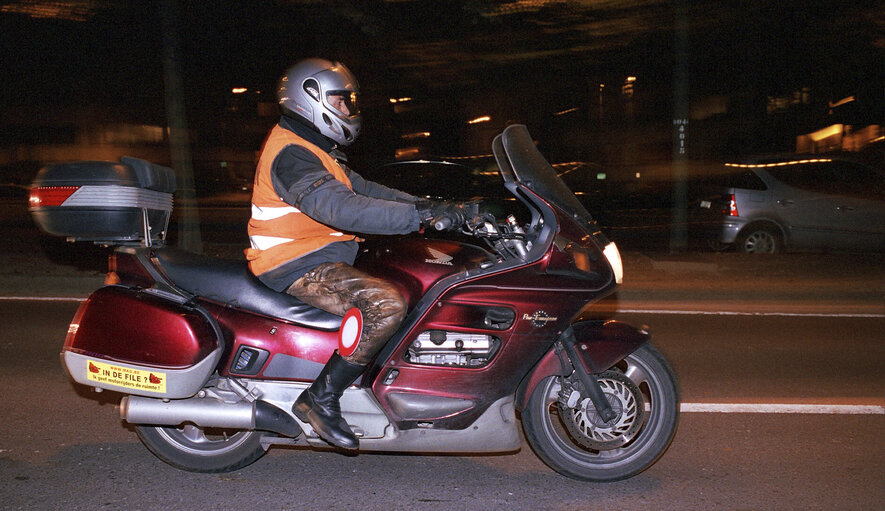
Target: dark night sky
{"x": 469, "y": 44}
{"x": 529, "y": 58}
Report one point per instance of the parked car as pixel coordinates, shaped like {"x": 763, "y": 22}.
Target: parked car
{"x": 767, "y": 205}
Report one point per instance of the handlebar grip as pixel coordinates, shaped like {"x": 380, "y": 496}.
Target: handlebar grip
{"x": 442, "y": 223}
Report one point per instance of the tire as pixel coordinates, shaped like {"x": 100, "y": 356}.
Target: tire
{"x": 760, "y": 239}
{"x": 717, "y": 246}
{"x": 556, "y": 443}
{"x": 196, "y": 449}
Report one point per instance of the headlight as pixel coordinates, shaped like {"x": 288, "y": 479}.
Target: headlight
{"x": 614, "y": 259}
{"x": 583, "y": 261}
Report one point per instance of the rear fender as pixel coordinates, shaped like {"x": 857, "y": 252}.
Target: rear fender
{"x": 599, "y": 346}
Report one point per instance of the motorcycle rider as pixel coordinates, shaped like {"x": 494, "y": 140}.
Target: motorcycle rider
{"x": 306, "y": 206}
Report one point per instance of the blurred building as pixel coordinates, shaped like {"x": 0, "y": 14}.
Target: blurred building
{"x": 223, "y": 147}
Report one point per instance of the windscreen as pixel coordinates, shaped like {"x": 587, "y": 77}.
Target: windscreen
{"x": 530, "y": 168}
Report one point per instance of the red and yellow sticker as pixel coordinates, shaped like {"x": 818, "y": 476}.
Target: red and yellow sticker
{"x": 101, "y": 372}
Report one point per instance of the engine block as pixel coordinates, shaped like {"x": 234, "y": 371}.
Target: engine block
{"x": 440, "y": 348}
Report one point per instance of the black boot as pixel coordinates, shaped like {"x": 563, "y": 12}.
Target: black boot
{"x": 318, "y": 404}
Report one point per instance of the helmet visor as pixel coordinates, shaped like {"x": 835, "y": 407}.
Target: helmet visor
{"x": 343, "y": 103}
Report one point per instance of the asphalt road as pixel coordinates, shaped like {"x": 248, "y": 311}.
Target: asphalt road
{"x": 63, "y": 447}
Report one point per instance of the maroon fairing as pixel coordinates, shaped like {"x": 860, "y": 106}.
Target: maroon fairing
{"x": 544, "y": 297}
{"x": 544, "y": 305}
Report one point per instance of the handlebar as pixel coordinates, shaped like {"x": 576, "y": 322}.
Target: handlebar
{"x": 442, "y": 223}
{"x": 452, "y": 216}
{"x": 508, "y": 239}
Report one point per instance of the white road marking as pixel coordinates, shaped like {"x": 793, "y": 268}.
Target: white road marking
{"x": 736, "y": 313}
{"x": 41, "y": 299}
{"x": 822, "y": 408}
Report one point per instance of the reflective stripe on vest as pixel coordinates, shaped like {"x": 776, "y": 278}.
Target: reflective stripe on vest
{"x": 270, "y": 213}
{"x": 278, "y": 231}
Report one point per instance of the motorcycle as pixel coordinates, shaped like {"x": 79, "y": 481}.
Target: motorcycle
{"x": 209, "y": 361}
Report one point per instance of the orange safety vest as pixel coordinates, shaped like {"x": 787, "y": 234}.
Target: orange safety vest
{"x": 278, "y": 231}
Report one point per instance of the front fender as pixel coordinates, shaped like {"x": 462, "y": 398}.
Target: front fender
{"x": 599, "y": 344}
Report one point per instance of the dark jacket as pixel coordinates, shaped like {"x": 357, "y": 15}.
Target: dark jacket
{"x": 370, "y": 208}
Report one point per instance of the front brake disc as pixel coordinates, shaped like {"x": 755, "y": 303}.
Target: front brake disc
{"x": 585, "y": 425}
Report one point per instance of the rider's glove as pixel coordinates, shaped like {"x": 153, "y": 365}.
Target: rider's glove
{"x": 442, "y": 216}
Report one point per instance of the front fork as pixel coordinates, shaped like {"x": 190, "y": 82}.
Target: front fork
{"x": 566, "y": 343}
{"x": 586, "y": 348}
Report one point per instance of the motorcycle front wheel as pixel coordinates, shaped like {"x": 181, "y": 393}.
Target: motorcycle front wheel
{"x": 199, "y": 449}
{"x": 568, "y": 436}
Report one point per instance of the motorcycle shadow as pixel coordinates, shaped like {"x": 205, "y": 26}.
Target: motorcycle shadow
{"x": 104, "y": 397}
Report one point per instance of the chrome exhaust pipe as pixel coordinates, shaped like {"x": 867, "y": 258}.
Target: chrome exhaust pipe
{"x": 208, "y": 413}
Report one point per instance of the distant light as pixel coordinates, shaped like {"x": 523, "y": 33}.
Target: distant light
{"x": 600, "y": 176}
{"x": 472, "y": 157}
{"x": 400, "y": 100}
{"x": 627, "y": 88}
{"x": 829, "y": 131}
{"x": 484, "y": 118}
{"x": 777, "y": 164}
{"x": 239, "y": 90}
{"x": 69, "y": 11}
{"x": 406, "y": 153}
{"x": 570, "y": 110}
{"x": 417, "y": 134}
{"x": 638, "y": 175}
{"x": 841, "y": 102}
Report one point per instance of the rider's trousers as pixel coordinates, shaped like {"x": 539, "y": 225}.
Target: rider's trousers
{"x": 339, "y": 287}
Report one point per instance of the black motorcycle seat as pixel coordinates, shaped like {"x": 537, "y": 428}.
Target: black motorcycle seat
{"x": 231, "y": 282}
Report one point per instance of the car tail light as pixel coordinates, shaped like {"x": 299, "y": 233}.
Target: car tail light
{"x": 732, "y": 207}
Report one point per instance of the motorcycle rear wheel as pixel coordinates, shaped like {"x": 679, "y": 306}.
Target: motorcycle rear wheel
{"x": 556, "y": 445}
{"x": 196, "y": 449}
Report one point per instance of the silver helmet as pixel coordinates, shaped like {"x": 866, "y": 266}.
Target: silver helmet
{"x": 325, "y": 93}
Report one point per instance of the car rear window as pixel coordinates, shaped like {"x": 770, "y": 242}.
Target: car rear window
{"x": 733, "y": 177}
{"x": 833, "y": 177}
